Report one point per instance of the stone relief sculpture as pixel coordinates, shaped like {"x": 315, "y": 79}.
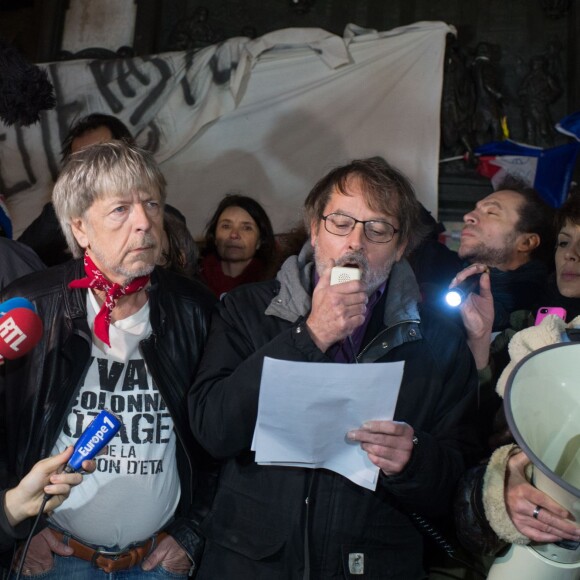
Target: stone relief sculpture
{"x": 457, "y": 100}
{"x": 488, "y": 95}
{"x": 538, "y": 90}
{"x": 475, "y": 103}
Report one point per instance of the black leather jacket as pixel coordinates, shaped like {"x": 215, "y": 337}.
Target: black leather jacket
{"x": 37, "y": 391}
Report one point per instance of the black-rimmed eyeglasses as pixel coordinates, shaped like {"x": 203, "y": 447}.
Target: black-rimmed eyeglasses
{"x": 376, "y": 231}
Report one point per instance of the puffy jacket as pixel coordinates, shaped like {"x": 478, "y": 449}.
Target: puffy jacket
{"x": 281, "y": 522}
{"x": 37, "y": 391}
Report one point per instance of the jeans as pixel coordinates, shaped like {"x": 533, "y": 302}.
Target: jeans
{"x": 71, "y": 568}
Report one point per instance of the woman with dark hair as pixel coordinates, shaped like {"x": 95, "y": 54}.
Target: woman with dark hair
{"x": 239, "y": 244}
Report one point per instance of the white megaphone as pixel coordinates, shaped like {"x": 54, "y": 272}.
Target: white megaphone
{"x": 542, "y": 405}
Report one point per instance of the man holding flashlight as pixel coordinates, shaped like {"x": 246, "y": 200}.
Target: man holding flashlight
{"x": 510, "y": 233}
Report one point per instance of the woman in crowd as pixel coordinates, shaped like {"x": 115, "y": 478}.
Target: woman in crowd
{"x": 497, "y": 504}
{"x": 239, "y": 245}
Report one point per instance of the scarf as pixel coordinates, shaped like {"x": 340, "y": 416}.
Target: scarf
{"x": 96, "y": 279}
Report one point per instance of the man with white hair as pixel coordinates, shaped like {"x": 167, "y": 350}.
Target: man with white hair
{"x": 122, "y": 334}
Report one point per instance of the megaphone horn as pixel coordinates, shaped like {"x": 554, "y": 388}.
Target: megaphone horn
{"x": 542, "y": 405}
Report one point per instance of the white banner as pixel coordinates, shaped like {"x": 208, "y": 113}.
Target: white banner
{"x": 266, "y": 117}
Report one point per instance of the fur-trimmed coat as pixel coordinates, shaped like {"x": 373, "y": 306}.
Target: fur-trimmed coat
{"x": 481, "y": 514}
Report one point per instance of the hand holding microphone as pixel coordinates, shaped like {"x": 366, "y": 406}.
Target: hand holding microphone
{"x": 338, "y": 306}
{"x": 25, "y": 499}
{"x": 92, "y": 440}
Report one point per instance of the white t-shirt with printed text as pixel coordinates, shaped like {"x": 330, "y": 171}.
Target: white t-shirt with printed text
{"x": 135, "y": 488}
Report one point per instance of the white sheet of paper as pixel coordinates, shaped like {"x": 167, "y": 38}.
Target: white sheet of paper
{"x": 306, "y": 409}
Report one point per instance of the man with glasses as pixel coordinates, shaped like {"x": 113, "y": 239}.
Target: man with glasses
{"x": 289, "y": 522}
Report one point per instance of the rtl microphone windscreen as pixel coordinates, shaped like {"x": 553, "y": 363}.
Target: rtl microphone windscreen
{"x": 20, "y": 331}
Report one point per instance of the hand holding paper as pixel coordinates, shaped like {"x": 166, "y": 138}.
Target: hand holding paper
{"x": 305, "y": 411}
{"x": 389, "y": 444}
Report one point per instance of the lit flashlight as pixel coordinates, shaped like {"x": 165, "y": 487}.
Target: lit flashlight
{"x": 457, "y": 295}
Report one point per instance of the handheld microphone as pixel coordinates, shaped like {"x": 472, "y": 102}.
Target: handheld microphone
{"x": 20, "y": 331}
{"x": 340, "y": 274}
{"x": 13, "y": 303}
{"x": 93, "y": 439}
{"x": 457, "y": 295}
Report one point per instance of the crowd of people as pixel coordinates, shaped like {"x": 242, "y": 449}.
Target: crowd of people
{"x": 172, "y": 338}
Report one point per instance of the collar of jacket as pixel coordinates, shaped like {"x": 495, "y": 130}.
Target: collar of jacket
{"x": 294, "y": 298}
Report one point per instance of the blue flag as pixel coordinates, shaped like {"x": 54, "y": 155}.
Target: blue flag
{"x": 549, "y": 171}
{"x": 570, "y": 125}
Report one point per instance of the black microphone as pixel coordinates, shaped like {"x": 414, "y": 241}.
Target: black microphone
{"x": 457, "y": 295}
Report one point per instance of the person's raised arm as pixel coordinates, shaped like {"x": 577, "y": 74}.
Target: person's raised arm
{"x": 477, "y": 313}
{"x": 337, "y": 311}
{"x": 24, "y": 500}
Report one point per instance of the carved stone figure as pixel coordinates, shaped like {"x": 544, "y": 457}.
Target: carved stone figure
{"x": 488, "y": 108}
{"x": 458, "y": 100}
{"x": 539, "y": 89}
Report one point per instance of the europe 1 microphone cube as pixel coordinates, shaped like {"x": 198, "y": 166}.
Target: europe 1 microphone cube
{"x": 93, "y": 439}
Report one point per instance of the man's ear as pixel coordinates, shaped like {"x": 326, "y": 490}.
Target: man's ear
{"x": 79, "y": 230}
{"x": 314, "y": 225}
{"x": 400, "y": 251}
{"x": 527, "y": 243}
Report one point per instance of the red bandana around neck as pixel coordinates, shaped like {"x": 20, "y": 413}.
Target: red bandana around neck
{"x": 96, "y": 279}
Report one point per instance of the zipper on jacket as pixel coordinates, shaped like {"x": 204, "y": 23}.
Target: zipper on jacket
{"x": 306, "y": 575}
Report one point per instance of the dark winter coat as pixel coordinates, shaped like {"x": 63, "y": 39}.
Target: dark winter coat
{"x": 280, "y": 522}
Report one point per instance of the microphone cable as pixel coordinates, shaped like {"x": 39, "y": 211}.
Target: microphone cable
{"x": 425, "y": 527}
{"x": 91, "y": 441}
{"x": 428, "y": 530}
{"x": 24, "y": 551}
